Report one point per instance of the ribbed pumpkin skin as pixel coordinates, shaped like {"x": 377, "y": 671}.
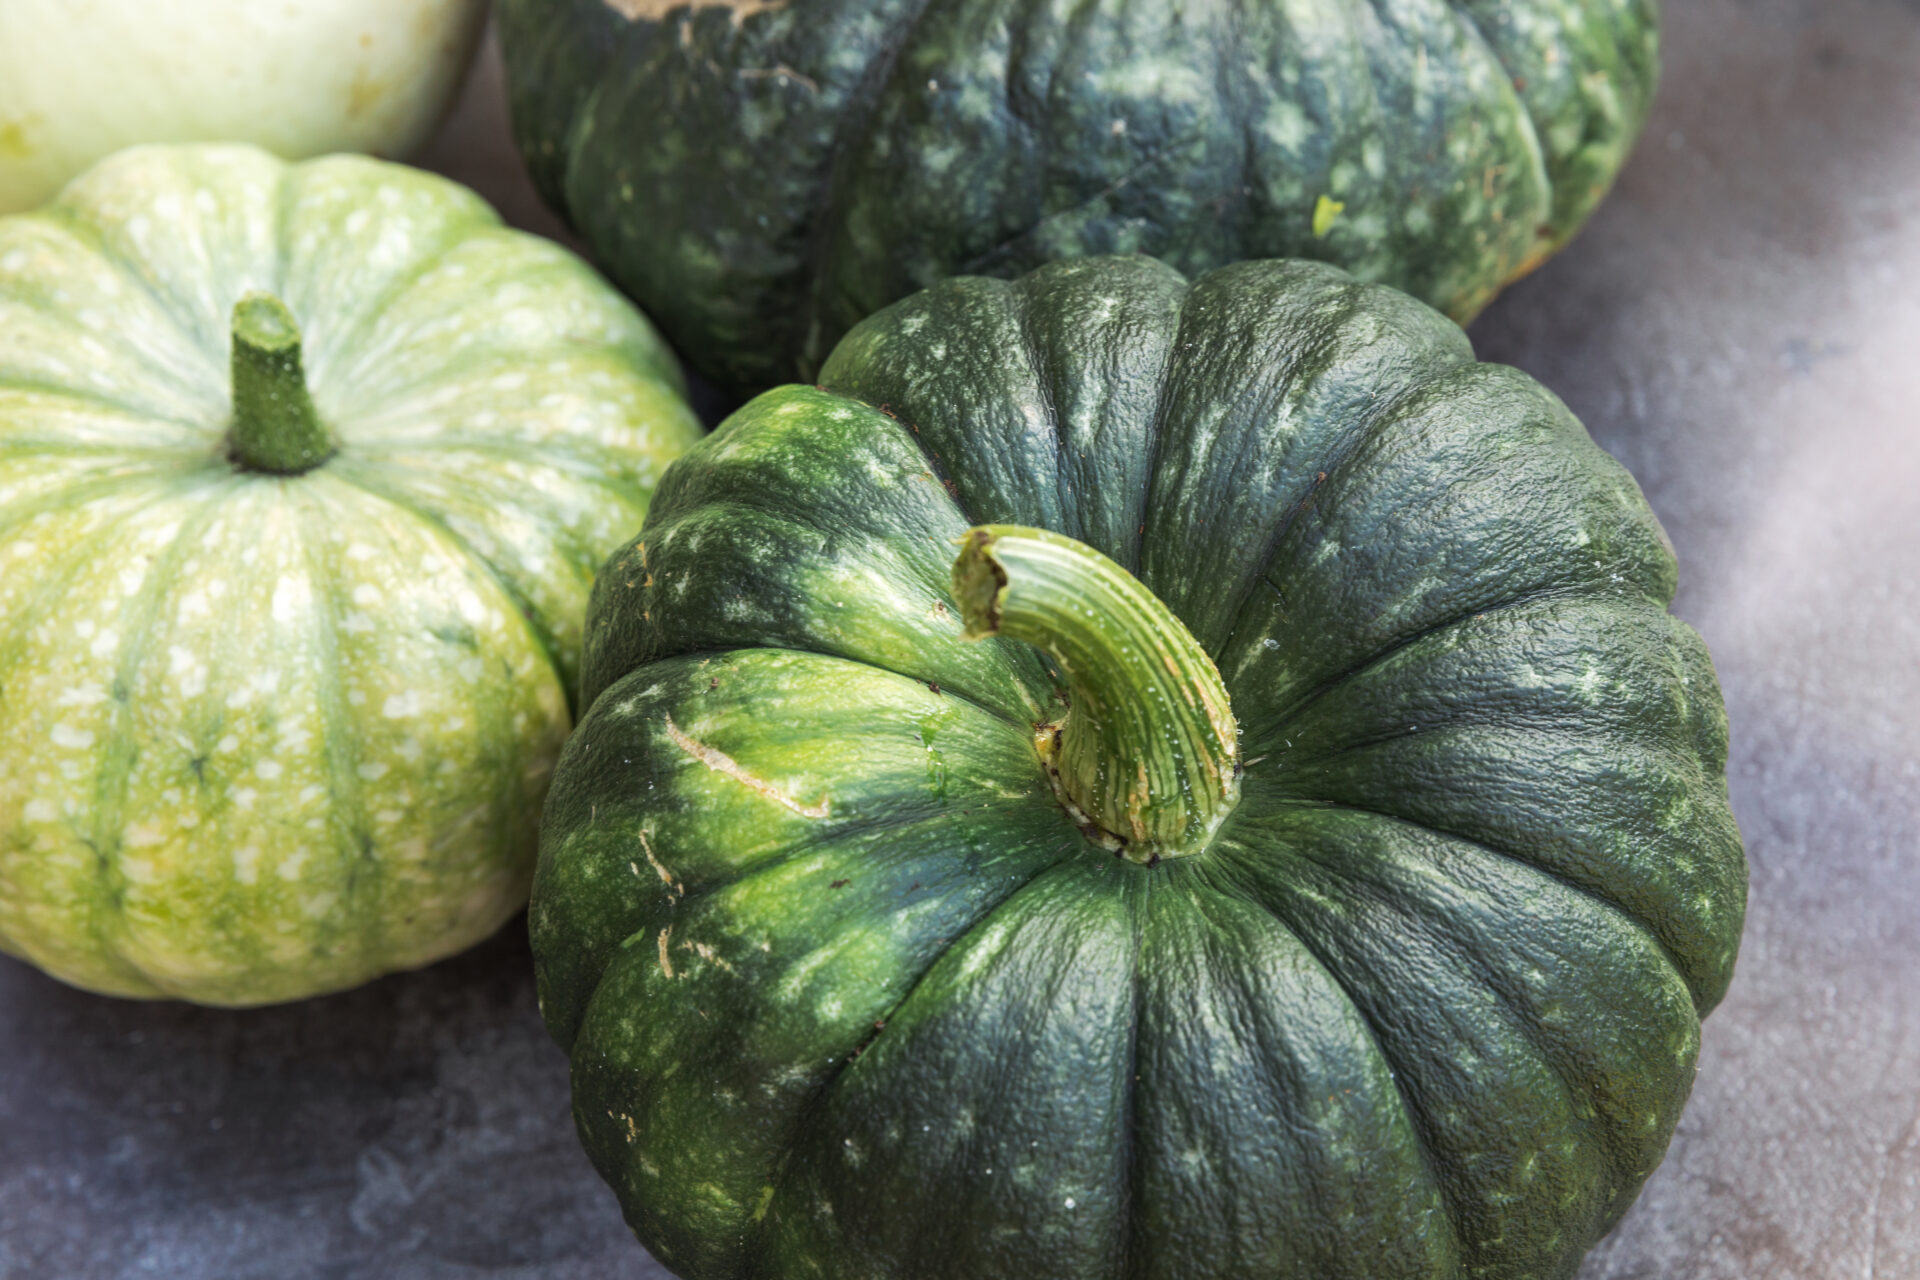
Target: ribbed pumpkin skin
{"x": 263, "y": 736}
{"x": 762, "y": 175}
{"x": 848, "y": 995}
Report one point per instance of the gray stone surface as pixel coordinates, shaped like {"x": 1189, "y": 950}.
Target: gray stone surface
{"x": 1740, "y": 325}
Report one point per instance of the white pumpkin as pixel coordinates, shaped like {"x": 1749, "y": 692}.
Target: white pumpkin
{"x": 82, "y": 78}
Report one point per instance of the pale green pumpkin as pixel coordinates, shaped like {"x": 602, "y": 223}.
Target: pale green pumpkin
{"x": 305, "y": 472}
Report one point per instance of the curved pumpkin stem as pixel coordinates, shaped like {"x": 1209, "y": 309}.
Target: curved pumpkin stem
{"x": 275, "y": 427}
{"x": 1147, "y": 755}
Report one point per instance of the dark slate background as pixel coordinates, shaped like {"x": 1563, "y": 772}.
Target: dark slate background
{"x": 1740, "y": 325}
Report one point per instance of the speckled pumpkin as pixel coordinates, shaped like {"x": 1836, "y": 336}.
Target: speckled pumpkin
{"x": 305, "y": 472}
{"x": 1138, "y": 779}
{"x": 761, "y": 174}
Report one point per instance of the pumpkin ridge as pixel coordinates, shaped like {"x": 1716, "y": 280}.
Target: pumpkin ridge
{"x": 341, "y": 741}
{"x": 1418, "y": 1124}
{"x": 1506, "y": 855}
{"x": 573, "y": 551}
{"x": 1130, "y": 1255}
{"x": 1550, "y": 591}
{"x": 88, "y": 238}
{"x": 1157, "y": 442}
{"x": 1025, "y": 290}
{"x": 114, "y": 780}
{"x": 817, "y": 1104}
{"x": 57, "y": 587}
{"x": 78, "y": 396}
{"x": 68, "y": 219}
{"x": 1049, "y": 406}
{"x": 1484, "y": 975}
{"x": 85, "y": 489}
{"x": 347, "y": 356}
{"x": 816, "y": 839}
{"x": 453, "y": 233}
{"x": 1338, "y": 451}
{"x": 368, "y": 484}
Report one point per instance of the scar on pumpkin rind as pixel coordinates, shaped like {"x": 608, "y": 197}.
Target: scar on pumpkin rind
{"x": 654, "y": 10}
{"x": 720, "y": 762}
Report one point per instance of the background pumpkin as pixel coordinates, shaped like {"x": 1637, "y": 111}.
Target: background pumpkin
{"x": 300, "y": 77}
{"x": 849, "y": 992}
{"x": 762, "y": 175}
{"x": 280, "y": 690}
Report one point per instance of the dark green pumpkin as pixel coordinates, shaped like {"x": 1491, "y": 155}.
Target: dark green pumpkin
{"x": 762, "y": 174}
{"x": 849, "y": 992}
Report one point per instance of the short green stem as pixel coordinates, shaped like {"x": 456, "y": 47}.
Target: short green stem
{"x": 275, "y": 427}
{"x": 1147, "y": 754}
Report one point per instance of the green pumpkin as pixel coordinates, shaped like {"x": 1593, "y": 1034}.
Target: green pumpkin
{"x": 305, "y": 472}
{"x": 762, "y": 174}
{"x": 1291, "y": 839}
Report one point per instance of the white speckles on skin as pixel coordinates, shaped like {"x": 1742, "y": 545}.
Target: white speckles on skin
{"x": 366, "y": 595}
{"x": 82, "y": 695}
{"x": 243, "y": 797}
{"x": 188, "y": 673}
{"x": 268, "y": 770}
{"x": 105, "y": 643}
{"x": 142, "y": 835}
{"x": 360, "y": 551}
{"x": 290, "y": 866}
{"x": 291, "y": 597}
{"x": 39, "y": 811}
{"x": 227, "y": 744}
{"x": 65, "y": 735}
{"x": 372, "y": 771}
{"x": 400, "y": 706}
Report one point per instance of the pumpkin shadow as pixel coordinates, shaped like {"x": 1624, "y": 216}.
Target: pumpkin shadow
{"x": 422, "y": 1119}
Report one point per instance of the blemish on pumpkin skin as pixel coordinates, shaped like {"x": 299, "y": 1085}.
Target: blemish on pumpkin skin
{"x": 707, "y": 953}
{"x": 363, "y": 94}
{"x": 779, "y": 71}
{"x": 666, "y": 877}
{"x": 654, "y": 10}
{"x": 666, "y": 959}
{"x": 14, "y": 142}
{"x": 720, "y": 762}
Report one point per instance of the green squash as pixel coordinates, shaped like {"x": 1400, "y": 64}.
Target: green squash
{"x": 762, "y": 174}
{"x": 1338, "y": 896}
{"x": 305, "y": 472}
